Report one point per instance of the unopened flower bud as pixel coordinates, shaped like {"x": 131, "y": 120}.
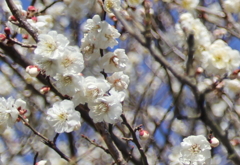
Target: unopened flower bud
{"x": 7, "y": 30}
{"x": 143, "y": 134}
{"x": 112, "y": 16}
{"x": 33, "y": 70}
{"x": 214, "y": 142}
{"x": 32, "y": 9}
{"x": 12, "y": 18}
{"x": 44, "y": 90}
{"x": 2, "y": 37}
{"x": 22, "y": 111}
{"x": 25, "y": 36}
{"x": 199, "y": 70}
{"x": 34, "y": 19}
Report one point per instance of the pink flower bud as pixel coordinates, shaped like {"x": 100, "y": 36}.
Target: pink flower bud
{"x": 33, "y": 70}
{"x": 143, "y": 134}
{"x": 34, "y": 19}
{"x": 199, "y": 70}
{"x": 22, "y": 111}
{"x": 214, "y": 142}
{"x": 12, "y": 18}
{"x": 25, "y": 36}
{"x": 32, "y": 9}
{"x": 44, "y": 90}
{"x": 7, "y": 30}
{"x": 2, "y": 37}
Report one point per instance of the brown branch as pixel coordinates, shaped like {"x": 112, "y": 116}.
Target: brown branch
{"x": 185, "y": 80}
{"x": 46, "y": 141}
{"x": 206, "y": 117}
{"x": 83, "y": 109}
{"x": 113, "y": 150}
{"x": 17, "y": 13}
{"x": 135, "y": 140}
{"x": 22, "y": 44}
{"x": 208, "y": 11}
{"x": 155, "y": 54}
{"x": 35, "y": 158}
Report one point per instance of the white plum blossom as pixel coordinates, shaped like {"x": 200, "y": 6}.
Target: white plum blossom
{"x": 63, "y": 117}
{"x": 111, "y": 4}
{"x": 9, "y": 111}
{"x": 100, "y": 34}
{"x": 48, "y": 65}
{"x": 107, "y": 36}
{"x": 219, "y": 59}
{"x": 92, "y": 88}
{"x": 195, "y": 149}
{"x": 175, "y": 156}
{"x": 93, "y": 24}
{"x": 68, "y": 83}
{"x": 232, "y": 6}
{"x": 114, "y": 61}
{"x": 70, "y": 61}
{"x": 189, "y": 4}
{"x": 232, "y": 87}
{"x": 107, "y": 108}
{"x": 51, "y": 44}
{"x": 89, "y": 50}
{"x": 119, "y": 81}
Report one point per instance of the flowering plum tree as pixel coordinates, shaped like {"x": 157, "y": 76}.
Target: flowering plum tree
{"x": 126, "y": 82}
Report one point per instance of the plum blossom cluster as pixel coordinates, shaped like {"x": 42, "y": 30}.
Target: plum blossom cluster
{"x": 57, "y": 59}
{"x": 103, "y": 97}
{"x": 9, "y": 111}
{"x": 216, "y": 58}
{"x": 64, "y": 64}
{"x": 219, "y": 58}
{"x": 99, "y": 35}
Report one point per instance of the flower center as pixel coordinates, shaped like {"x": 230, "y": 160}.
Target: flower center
{"x": 114, "y": 60}
{"x": 92, "y": 92}
{"x": 67, "y": 62}
{"x": 88, "y": 49}
{"x": 67, "y": 80}
{"x": 195, "y": 149}
{"x": 51, "y": 46}
{"x": 62, "y": 116}
{"x": 101, "y": 108}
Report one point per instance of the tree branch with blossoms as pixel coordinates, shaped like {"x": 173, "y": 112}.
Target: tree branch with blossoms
{"x": 101, "y": 67}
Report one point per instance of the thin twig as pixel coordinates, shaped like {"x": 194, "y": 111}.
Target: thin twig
{"x": 18, "y": 14}
{"x": 22, "y": 44}
{"x": 95, "y": 144}
{"x": 55, "y": 138}
{"x": 35, "y": 159}
{"x": 46, "y": 141}
{"x": 135, "y": 140}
